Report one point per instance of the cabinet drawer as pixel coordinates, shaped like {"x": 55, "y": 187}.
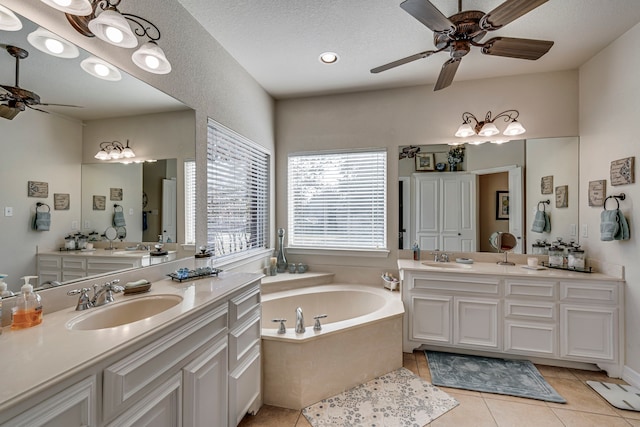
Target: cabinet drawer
{"x": 244, "y": 304}
{"x": 596, "y": 292}
{"x": 518, "y": 288}
{"x": 450, "y": 283}
{"x": 531, "y": 309}
{"x": 74, "y": 263}
{"x": 105, "y": 265}
{"x": 49, "y": 262}
{"x": 72, "y": 275}
{"x": 531, "y": 338}
{"x": 243, "y": 337}
{"x": 134, "y": 375}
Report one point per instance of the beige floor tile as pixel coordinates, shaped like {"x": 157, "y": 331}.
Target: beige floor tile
{"x": 303, "y": 422}
{"x": 596, "y": 376}
{"x": 579, "y": 396}
{"x": 423, "y": 367}
{"x": 587, "y": 419}
{"x": 513, "y": 399}
{"x": 409, "y": 362}
{"x": 472, "y": 411}
{"x": 451, "y": 390}
{"x": 630, "y": 415}
{"x": 510, "y": 414}
{"x": 634, "y": 423}
{"x": 271, "y": 416}
{"x": 556, "y": 372}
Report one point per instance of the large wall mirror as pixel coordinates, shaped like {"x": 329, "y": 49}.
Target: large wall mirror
{"x": 510, "y": 173}
{"x": 55, "y": 149}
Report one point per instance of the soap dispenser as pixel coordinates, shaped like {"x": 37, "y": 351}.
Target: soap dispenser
{"x": 28, "y": 309}
{"x": 4, "y": 292}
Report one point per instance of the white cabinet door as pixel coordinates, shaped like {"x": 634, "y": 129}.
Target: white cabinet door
{"x": 430, "y": 318}
{"x": 476, "y": 323}
{"x": 244, "y": 386}
{"x": 588, "y": 332}
{"x": 205, "y": 388}
{"x": 530, "y": 338}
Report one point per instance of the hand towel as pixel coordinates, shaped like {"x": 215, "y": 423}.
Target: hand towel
{"x": 609, "y": 225}
{"x": 541, "y": 223}
{"x": 623, "y": 233}
{"x": 118, "y": 219}
{"x": 42, "y": 221}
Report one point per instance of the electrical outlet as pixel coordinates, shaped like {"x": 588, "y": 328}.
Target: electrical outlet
{"x": 74, "y": 225}
{"x": 87, "y": 225}
{"x": 130, "y": 211}
{"x": 8, "y": 211}
{"x": 573, "y": 230}
{"x": 585, "y": 230}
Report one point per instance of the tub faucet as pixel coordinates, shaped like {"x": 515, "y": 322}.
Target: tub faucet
{"x": 299, "y": 321}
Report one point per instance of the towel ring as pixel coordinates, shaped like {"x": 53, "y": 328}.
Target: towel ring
{"x": 617, "y": 198}
{"x": 40, "y": 204}
{"x": 544, "y": 202}
{"x": 116, "y": 206}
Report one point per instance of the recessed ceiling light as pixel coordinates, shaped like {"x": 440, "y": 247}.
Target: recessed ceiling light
{"x": 329, "y": 58}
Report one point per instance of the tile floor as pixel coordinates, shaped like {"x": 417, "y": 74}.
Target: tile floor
{"x": 584, "y": 407}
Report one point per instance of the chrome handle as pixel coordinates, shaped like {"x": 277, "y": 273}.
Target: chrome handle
{"x": 282, "y": 329}
{"x": 317, "y": 326}
{"x": 78, "y": 291}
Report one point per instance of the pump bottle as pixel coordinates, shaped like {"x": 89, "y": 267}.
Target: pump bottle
{"x": 28, "y": 309}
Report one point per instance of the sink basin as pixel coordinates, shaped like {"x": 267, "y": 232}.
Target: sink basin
{"x": 446, "y": 265}
{"x": 122, "y": 313}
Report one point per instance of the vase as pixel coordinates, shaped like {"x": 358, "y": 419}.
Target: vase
{"x": 281, "y": 263}
{"x": 453, "y": 166}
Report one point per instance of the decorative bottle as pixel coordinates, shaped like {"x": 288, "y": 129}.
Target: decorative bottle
{"x": 282, "y": 260}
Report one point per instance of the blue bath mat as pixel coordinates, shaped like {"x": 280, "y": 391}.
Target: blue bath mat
{"x": 490, "y": 375}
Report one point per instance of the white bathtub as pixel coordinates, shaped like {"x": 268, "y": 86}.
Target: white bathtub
{"x": 360, "y": 339}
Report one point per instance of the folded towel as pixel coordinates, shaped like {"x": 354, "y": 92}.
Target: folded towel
{"x": 118, "y": 219}
{"x": 42, "y": 221}
{"x": 541, "y": 223}
{"x": 623, "y": 234}
{"x": 613, "y": 226}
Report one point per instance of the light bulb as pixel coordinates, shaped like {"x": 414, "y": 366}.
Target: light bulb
{"x": 101, "y": 70}
{"x": 63, "y": 3}
{"x": 152, "y": 62}
{"x": 54, "y": 46}
{"x": 114, "y": 34}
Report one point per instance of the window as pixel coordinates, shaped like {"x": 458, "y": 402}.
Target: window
{"x": 337, "y": 200}
{"x": 190, "y": 202}
{"x": 237, "y": 193}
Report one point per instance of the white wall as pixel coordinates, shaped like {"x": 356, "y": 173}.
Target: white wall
{"x": 609, "y": 106}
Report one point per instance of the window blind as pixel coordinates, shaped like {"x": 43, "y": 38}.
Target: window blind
{"x": 338, "y": 200}
{"x": 190, "y": 202}
{"x": 237, "y": 193}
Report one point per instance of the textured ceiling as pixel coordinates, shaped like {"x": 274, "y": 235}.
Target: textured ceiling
{"x": 278, "y": 42}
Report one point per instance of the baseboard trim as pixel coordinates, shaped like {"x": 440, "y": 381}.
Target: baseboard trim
{"x": 631, "y": 376}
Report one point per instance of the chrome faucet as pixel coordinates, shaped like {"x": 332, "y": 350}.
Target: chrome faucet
{"x": 104, "y": 294}
{"x": 84, "y": 302}
{"x": 435, "y": 254}
{"x": 444, "y": 257}
{"x": 142, "y": 247}
{"x": 299, "y": 321}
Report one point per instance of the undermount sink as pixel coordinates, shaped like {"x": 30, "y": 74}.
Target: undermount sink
{"x": 122, "y": 313}
{"x": 445, "y": 265}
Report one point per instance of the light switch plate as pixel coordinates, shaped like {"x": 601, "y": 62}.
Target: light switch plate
{"x": 74, "y": 225}
{"x": 130, "y": 211}
{"x": 8, "y": 211}
{"x": 585, "y": 230}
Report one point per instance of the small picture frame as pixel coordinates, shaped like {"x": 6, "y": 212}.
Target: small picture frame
{"x": 597, "y": 192}
{"x": 425, "y": 162}
{"x": 38, "y": 189}
{"x": 61, "y": 202}
{"x": 562, "y": 196}
{"x": 622, "y": 171}
{"x": 115, "y": 194}
{"x": 502, "y": 205}
{"x": 546, "y": 185}
{"x": 99, "y": 203}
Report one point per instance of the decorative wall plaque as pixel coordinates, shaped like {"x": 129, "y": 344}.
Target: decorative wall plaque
{"x": 38, "y": 189}
{"x": 622, "y": 171}
{"x": 546, "y": 185}
{"x": 115, "y": 194}
{"x": 60, "y": 202}
{"x": 597, "y": 192}
{"x": 562, "y": 196}
{"x": 99, "y": 203}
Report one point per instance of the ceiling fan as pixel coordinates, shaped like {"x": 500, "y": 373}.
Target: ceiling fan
{"x": 16, "y": 99}
{"x": 458, "y": 33}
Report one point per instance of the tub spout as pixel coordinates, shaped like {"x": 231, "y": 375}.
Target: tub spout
{"x": 299, "y": 321}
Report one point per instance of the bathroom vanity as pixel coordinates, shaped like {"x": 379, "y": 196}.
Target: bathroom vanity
{"x": 551, "y": 315}
{"x": 196, "y": 362}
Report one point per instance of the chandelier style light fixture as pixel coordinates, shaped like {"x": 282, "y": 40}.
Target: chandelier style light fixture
{"x": 102, "y": 19}
{"x": 472, "y": 126}
{"x": 114, "y": 150}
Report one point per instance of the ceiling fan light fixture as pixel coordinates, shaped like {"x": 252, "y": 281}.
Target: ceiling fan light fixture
{"x": 150, "y": 57}
{"x": 476, "y": 142}
{"x": 329, "y": 58}
{"x": 52, "y": 44}
{"x": 8, "y": 20}
{"x": 488, "y": 129}
{"x": 74, "y": 7}
{"x": 113, "y": 28}
{"x": 465, "y": 130}
{"x": 102, "y": 155}
{"x": 514, "y": 128}
{"x": 499, "y": 141}
{"x": 127, "y": 152}
{"x": 101, "y": 69}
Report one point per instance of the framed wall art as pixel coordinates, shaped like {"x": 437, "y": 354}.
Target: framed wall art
{"x": 562, "y": 196}
{"x": 546, "y": 185}
{"x": 38, "y": 189}
{"x": 425, "y": 162}
{"x": 597, "y": 192}
{"x": 115, "y": 194}
{"x": 61, "y": 202}
{"x": 502, "y": 205}
{"x": 622, "y": 171}
{"x": 99, "y": 203}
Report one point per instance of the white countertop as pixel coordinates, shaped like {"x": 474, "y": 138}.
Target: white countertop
{"x": 491, "y": 268}
{"x": 50, "y": 352}
{"x": 113, "y": 253}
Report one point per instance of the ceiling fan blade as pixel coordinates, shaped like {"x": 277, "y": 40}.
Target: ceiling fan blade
{"x": 402, "y": 61}
{"x": 516, "y": 48}
{"x": 60, "y": 105}
{"x": 37, "y": 109}
{"x": 447, "y": 73}
{"x": 508, "y": 11}
{"x": 425, "y": 12}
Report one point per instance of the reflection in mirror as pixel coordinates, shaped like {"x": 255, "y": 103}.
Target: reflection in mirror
{"x": 516, "y": 168}
{"x": 50, "y": 147}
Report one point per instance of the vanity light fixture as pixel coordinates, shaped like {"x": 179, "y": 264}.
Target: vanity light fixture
{"x": 114, "y": 150}
{"x": 102, "y": 19}
{"x": 100, "y": 69}
{"x": 8, "y": 20}
{"x": 487, "y": 128}
{"x": 329, "y": 58}
{"x": 47, "y": 42}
